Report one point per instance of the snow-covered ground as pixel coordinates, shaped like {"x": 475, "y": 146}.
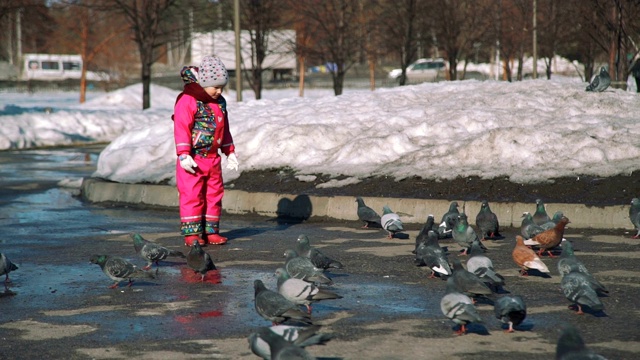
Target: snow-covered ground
{"x": 528, "y": 131}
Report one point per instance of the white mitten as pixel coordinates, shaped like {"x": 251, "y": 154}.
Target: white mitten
{"x": 232, "y": 162}
{"x": 187, "y": 163}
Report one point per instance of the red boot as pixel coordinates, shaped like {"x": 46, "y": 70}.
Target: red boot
{"x": 190, "y": 239}
{"x": 216, "y": 239}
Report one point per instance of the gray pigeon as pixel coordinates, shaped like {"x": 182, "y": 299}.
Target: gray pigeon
{"x": 600, "y": 82}
{"x": 634, "y": 216}
{"x": 577, "y": 289}
{"x": 430, "y": 254}
{"x": 568, "y": 262}
{"x": 467, "y": 282}
{"x": 300, "y": 267}
{"x": 511, "y": 310}
{"x": 557, "y": 216}
{"x": 199, "y": 260}
{"x": 276, "y": 308}
{"x": 459, "y": 307}
{"x": 487, "y": 222}
{"x": 422, "y": 234}
{"x": 479, "y": 264}
{"x": 540, "y": 216}
{"x": 390, "y": 222}
{"x": 152, "y": 252}
{"x": 449, "y": 220}
{"x": 528, "y": 227}
{"x": 302, "y": 336}
{"x": 301, "y": 292}
{"x": 463, "y": 233}
{"x": 119, "y": 269}
{"x": 280, "y": 348}
{"x": 367, "y": 215}
{"x": 317, "y": 257}
{"x": 571, "y": 346}
{"x": 6, "y": 266}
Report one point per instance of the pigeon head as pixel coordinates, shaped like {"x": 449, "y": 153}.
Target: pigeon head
{"x": 282, "y": 273}
{"x": 98, "y": 259}
{"x": 290, "y": 254}
{"x": 569, "y": 341}
{"x": 137, "y": 238}
{"x": 567, "y": 249}
{"x": 258, "y": 286}
{"x": 303, "y": 240}
{"x": 456, "y": 264}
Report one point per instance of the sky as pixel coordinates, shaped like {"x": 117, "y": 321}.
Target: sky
{"x": 528, "y": 131}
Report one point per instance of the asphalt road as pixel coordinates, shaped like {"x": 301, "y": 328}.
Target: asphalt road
{"x": 59, "y": 305}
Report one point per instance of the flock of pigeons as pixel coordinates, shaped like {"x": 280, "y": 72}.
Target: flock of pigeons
{"x": 480, "y": 280}
{"x": 301, "y": 280}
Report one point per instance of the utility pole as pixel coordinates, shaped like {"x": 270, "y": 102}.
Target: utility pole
{"x": 535, "y": 39}
{"x": 236, "y": 26}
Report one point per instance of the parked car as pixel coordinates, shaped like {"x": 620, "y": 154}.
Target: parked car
{"x": 422, "y": 70}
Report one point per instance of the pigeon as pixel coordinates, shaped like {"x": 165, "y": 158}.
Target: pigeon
{"x": 199, "y": 260}
{"x": 487, "y": 222}
{"x": 367, "y": 215}
{"x": 422, "y": 234}
{"x": 449, "y": 220}
{"x": 468, "y": 282}
{"x": 6, "y": 266}
{"x": 510, "y": 309}
{"x": 557, "y": 216}
{"x": 634, "y": 216}
{"x": 569, "y": 262}
{"x": 540, "y": 216}
{"x": 551, "y": 238}
{"x": 528, "y": 227}
{"x": 119, "y": 269}
{"x": 319, "y": 259}
{"x": 280, "y": 348}
{"x": 571, "y": 346}
{"x": 297, "y": 335}
{"x": 429, "y": 253}
{"x": 463, "y": 233}
{"x": 527, "y": 258}
{"x": 302, "y": 268}
{"x": 577, "y": 289}
{"x": 152, "y": 252}
{"x": 600, "y": 82}
{"x": 482, "y": 266}
{"x": 458, "y": 307}
{"x": 390, "y": 222}
{"x": 301, "y": 292}
{"x": 276, "y": 308}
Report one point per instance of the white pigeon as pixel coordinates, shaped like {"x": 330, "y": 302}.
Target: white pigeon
{"x": 390, "y": 222}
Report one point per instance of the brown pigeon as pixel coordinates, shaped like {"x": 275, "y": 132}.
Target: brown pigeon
{"x": 527, "y": 258}
{"x": 551, "y": 238}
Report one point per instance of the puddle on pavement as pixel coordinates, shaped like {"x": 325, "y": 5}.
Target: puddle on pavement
{"x": 183, "y": 306}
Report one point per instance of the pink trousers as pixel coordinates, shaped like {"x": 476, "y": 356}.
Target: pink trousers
{"x": 200, "y": 196}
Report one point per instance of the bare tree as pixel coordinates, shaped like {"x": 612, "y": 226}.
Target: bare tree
{"x": 149, "y": 22}
{"x": 337, "y": 26}
{"x": 399, "y": 24}
{"x": 459, "y": 24}
{"x": 261, "y": 18}
{"x": 85, "y": 30}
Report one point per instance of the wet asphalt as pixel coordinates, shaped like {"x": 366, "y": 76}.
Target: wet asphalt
{"x": 59, "y": 306}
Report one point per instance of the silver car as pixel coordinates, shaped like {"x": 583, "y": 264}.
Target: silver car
{"x": 422, "y": 70}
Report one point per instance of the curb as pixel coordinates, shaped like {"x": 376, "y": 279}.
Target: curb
{"x": 411, "y": 211}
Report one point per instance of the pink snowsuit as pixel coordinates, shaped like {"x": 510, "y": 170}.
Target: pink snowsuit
{"x": 200, "y": 129}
